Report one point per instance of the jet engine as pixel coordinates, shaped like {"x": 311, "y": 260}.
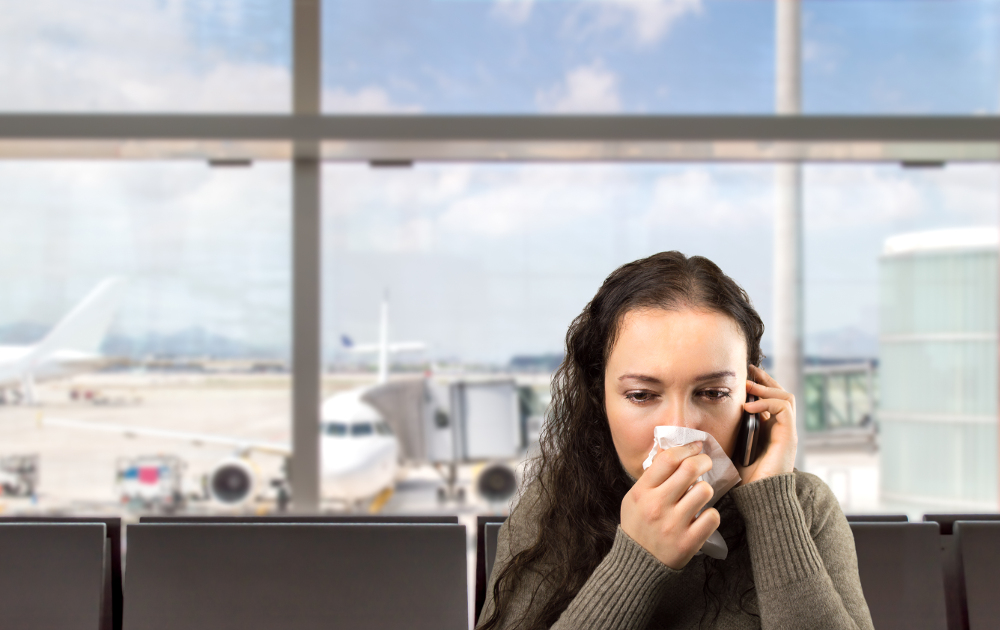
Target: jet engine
{"x": 232, "y": 481}
{"x": 497, "y": 483}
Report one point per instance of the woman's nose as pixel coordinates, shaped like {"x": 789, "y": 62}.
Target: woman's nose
{"x": 676, "y": 414}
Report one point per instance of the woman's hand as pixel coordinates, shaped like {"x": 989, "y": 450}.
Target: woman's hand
{"x": 776, "y": 410}
{"x": 659, "y": 511}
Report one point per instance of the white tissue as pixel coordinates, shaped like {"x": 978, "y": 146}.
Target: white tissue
{"x": 722, "y": 477}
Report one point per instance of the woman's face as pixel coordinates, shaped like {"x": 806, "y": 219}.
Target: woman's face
{"x": 682, "y": 368}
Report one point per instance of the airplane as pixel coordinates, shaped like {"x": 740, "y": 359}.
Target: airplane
{"x": 72, "y": 346}
{"x": 359, "y": 453}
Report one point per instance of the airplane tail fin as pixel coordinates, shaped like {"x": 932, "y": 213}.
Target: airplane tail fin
{"x": 83, "y": 328}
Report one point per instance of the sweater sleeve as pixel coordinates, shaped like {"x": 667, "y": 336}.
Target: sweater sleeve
{"x": 805, "y": 567}
{"x": 621, "y": 594}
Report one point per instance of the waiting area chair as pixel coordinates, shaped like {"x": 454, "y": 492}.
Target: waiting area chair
{"x": 112, "y": 592}
{"x": 877, "y": 518}
{"x": 259, "y": 576}
{"x": 978, "y": 560}
{"x": 954, "y": 594}
{"x": 900, "y": 568}
{"x": 319, "y": 518}
{"x": 53, "y": 575}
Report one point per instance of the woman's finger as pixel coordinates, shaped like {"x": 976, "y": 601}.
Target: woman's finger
{"x": 683, "y": 478}
{"x": 758, "y": 375}
{"x": 762, "y": 391}
{"x": 780, "y": 410}
{"x": 666, "y": 462}
{"x": 694, "y": 500}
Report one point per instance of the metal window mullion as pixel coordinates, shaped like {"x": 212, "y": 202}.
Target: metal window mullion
{"x": 307, "y": 339}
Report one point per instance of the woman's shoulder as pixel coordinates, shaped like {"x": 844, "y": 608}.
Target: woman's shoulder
{"x": 818, "y": 501}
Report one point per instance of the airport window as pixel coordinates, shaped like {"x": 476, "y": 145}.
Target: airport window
{"x": 189, "y": 56}
{"x": 177, "y": 247}
{"x": 180, "y": 274}
{"x": 502, "y": 283}
{"x": 403, "y": 56}
{"x": 707, "y": 57}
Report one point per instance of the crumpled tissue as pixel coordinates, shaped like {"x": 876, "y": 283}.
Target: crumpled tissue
{"x": 722, "y": 477}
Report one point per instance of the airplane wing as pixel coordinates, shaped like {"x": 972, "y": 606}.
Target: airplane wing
{"x": 402, "y": 346}
{"x": 198, "y": 439}
{"x": 407, "y": 346}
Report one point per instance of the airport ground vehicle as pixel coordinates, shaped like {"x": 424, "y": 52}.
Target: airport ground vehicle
{"x": 151, "y": 482}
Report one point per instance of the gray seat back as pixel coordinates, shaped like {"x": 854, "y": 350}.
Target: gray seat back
{"x": 978, "y": 547}
{"x": 53, "y": 575}
{"x": 302, "y": 576}
{"x": 491, "y": 530}
{"x": 900, "y": 569}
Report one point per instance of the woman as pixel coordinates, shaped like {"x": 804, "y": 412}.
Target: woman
{"x": 596, "y": 542}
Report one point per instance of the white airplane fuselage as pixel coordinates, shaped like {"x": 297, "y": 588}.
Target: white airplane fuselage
{"x": 359, "y": 452}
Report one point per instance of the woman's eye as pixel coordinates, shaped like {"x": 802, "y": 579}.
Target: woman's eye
{"x": 714, "y": 394}
{"x": 639, "y": 397}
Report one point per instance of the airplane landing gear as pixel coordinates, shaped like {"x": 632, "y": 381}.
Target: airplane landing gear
{"x": 451, "y": 491}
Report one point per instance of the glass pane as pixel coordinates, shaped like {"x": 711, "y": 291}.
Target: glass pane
{"x": 703, "y": 56}
{"x": 901, "y": 266}
{"x": 519, "y": 56}
{"x": 190, "y": 335}
{"x": 487, "y": 264}
{"x": 146, "y": 56}
{"x": 882, "y": 57}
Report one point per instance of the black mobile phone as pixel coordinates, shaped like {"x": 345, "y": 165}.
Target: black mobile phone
{"x": 748, "y": 438}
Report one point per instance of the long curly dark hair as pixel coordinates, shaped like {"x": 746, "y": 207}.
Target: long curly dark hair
{"x": 578, "y": 464}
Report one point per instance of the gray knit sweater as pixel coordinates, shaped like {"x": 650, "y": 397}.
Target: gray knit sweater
{"x": 805, "y": 571}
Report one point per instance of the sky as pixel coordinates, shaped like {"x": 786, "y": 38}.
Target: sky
{"x": 480, "y": 261}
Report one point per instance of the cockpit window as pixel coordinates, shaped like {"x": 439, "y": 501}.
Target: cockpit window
{"x": 336, "y": 429}
{"x": 382, "y": 428}
{"x": 361, "y": 429}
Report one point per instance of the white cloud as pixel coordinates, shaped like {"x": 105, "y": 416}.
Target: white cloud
{"x": 586, "y": 89}
{"x": 126, "y": 55}
{"x": 653, "y": 19}
{"x": 647, "y": 21}
{"x": 513, "y": 11}
{"x": 712, "y": 196}
{"x": 855, "y": 196}
{"x": 141, "y": 56}
{"x": 368, "y": 100}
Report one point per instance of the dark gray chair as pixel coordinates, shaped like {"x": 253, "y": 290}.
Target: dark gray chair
{"x": 52, "y": 575}
{"x": 289, "y": 518}
{"x": 113, "y": 560}
{"x": 492, "y": 532}
{"x": 877, "y": 518}
{"x": 305, "y": 576}
{"x": 900, "y": 569}
{"x": 954, "y": 597}
{"x": 946, "y": 522}
{"x": 978, "y": 560}
{"x": 482, "y": 577}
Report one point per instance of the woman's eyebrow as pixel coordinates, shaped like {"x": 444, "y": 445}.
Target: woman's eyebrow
{"x": 639, "y": 377}
{"x": 715, "y": 376}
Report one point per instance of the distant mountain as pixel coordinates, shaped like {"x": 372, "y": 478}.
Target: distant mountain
{"x": 536, "y": 362}
{"x": 22, "y": 333}
{"x": 190, "y": 342}
{"x": 842, "y": 343}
